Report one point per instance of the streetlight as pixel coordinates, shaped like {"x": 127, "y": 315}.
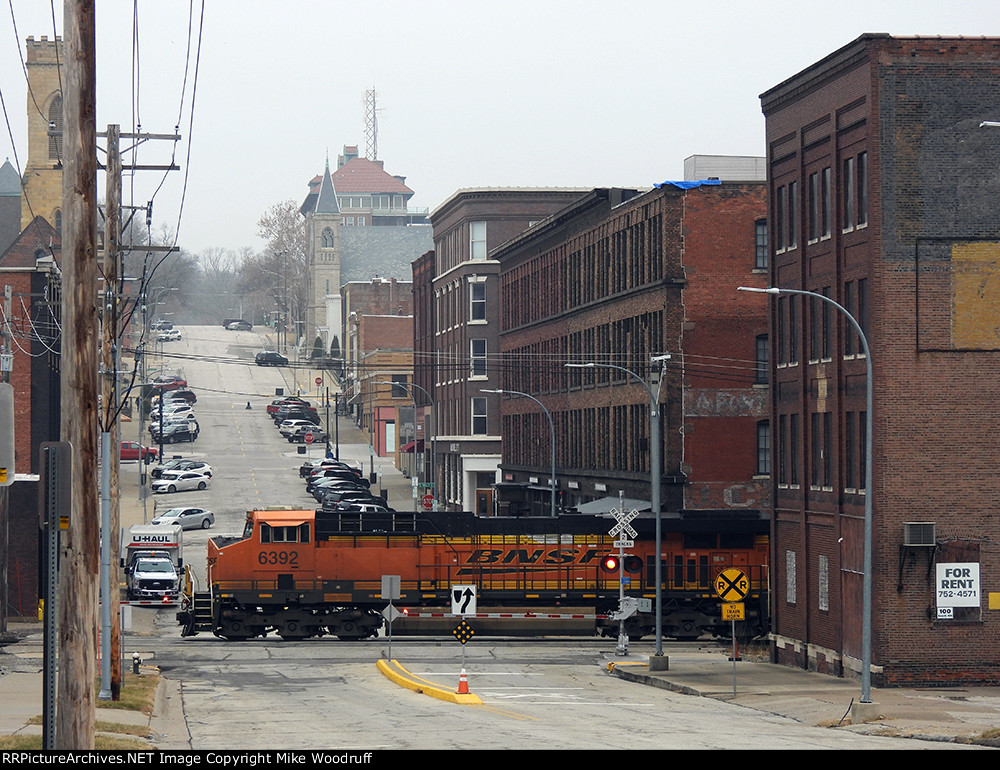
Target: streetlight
{"x": 866, "y": 607}
{"x": 552, "y": 427}
{"x": 423, "y": 390}
{"x": 655, "y": 472}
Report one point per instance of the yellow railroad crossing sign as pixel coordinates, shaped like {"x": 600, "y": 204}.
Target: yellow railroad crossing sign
{"x": 732, "y": 585}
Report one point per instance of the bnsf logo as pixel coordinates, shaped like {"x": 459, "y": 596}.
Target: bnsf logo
{"x": 532, "y": 556}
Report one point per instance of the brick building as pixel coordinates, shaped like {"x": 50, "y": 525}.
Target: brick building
{"x": 883, "y": 190}
{"x": 459, "y": 304}
{"x": 30, "y": 268}
{"x": 615, "y": 278}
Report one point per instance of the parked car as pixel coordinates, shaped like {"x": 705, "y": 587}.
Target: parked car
{"x": 296, "y": 414}
{"x": 171, "y": 335}
{"x": 182, "y": 394}
{"x": 330, "y": 499}
{"x": 175, "y": 432}
{"x": 270, "y": 358}
{"x": 181, "y": 481}
{"x": 133, "y": 450}
{"x": 272, "y": 408}
{"x": 326, "y": 462}
{"x": 363, "y": 507}
{"x": 240, "y": 326}
{"x": 188, "y": 518}
{"x": 161, "y": 325}
{"x": 288, "y": 427}
{"x": 178, "y": 464}
{"x": 317, "y": 435}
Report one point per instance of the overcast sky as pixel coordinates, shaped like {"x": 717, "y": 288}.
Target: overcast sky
{"x": 538, "y": 93}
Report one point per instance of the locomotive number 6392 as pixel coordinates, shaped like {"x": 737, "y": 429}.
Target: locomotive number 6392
{"x": 289, "y": 558}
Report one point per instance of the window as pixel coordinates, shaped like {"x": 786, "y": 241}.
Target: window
{"x": 479, "y": 416}
{"x": 780, "y": 214}
{"x": 286, "y": 534}
{"x": 477, "y": 302}
{"x": 814, "y": 207}
{"x": 399, "y": 389}
{"x": 850, "y": 451}
{"x": 793, "y": 210}
{"x": 862, "y": 316}
{"x": 862, "y": 189}
{"x": 763, "y": 448}
{"x": 849, "y": 190}
{"x": 760, "y": 244}
{"x": 863, "y": 451}
{"x": 763, "y": 361}
{"x": 477, "y": 356}
{"x": 56, "y": 129}
{"x": 793, "y": 450}
{"x": 327, "y": 238}
{"x": 849, "y": 333}
{"x": 477, "y": 240}
{"x": 827, "y": 332}
{"x": 827, "y": 211}
{"x": 793, "y": 331}
{"x": 827, "y": 450}
{"x": 782, "y": 450}
{"x": 781, "y": 331}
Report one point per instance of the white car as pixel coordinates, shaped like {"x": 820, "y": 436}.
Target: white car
{"x": 288, "y": 427}
{"x": 181, "y": 481}
{"x": 188, "y": 518}
{"x": 172, "y": 335}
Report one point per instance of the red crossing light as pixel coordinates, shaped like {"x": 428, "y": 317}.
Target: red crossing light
{"x": 609, "y": 563}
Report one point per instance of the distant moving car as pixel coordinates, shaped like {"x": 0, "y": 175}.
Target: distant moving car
{"x": 172, "y": 335}
{"x": 181, "y": 481}
{"x": 270, "y": 358}
{"x": 188, "y": 518}
{"x": 169, "y": 382}
{"x": 161, "y": 325}
{"x": 133, "y": 450}
{"x": 240, "y": 326}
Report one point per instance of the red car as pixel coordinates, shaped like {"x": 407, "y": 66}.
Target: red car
{"x": 133, "y": 450}
{"x": 169, "y": 382}
{"x": 273, "y": 407}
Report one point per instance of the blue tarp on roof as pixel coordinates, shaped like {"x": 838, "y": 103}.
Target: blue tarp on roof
{"x": 689, "y": 185}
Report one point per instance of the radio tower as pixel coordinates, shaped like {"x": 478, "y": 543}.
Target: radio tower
{"x": 371, "y": 126}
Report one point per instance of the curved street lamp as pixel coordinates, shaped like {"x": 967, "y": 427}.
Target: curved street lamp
{"x": 866, "y": 608}
{"x": 552, "y": 427}
{"x": 655, "y": 473}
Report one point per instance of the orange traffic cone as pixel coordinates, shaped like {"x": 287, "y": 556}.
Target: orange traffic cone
{"x": 463, "y": 684}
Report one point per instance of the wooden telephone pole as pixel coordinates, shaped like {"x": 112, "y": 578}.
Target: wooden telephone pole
{"x": 79, "y": 551}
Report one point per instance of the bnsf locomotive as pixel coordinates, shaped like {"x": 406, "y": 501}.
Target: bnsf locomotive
{"x": 311, "y": 573}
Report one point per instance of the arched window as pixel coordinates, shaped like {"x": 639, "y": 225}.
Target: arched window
{"x": 327, "y": 238}
{"x": 55, "y": 128}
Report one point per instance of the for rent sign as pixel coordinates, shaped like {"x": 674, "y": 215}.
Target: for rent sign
{"x": 958, "y": 585}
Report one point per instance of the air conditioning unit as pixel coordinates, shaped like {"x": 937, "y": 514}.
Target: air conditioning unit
{"x": 919, "y": 533}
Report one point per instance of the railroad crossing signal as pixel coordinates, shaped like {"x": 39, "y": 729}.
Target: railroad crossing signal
{"x": 463, "y": 632}
{"x": 732, "y": 585}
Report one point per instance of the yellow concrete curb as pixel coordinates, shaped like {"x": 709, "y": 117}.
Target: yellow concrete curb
{"x": 612, "y": 664}
{"x": 404, "y": 678}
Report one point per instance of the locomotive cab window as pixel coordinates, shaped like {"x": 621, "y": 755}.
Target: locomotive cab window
{"x": 292, "y": 534}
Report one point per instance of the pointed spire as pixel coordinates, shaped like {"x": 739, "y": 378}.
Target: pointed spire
{"x": 326, "y": 201}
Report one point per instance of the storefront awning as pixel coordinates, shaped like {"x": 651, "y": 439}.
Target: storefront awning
{"x": 408, "y": 448}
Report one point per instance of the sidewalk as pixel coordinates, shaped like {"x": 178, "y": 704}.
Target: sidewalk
{"x": 951, "y": 714}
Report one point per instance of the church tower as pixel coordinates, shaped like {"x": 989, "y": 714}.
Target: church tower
{"x": 323, "y": 314}
{"x": 42, "y": 180}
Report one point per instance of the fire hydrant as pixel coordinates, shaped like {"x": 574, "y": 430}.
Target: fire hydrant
{"x": 136, "y": 662}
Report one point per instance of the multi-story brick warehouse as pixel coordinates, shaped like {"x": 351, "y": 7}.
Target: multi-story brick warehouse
{"x": 614, "y": 279}
{"x": 457, "y": 304}
{"x": 883, "y": 196}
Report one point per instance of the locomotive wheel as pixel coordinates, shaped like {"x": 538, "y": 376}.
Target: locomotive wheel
{"x": 234, "y": 631}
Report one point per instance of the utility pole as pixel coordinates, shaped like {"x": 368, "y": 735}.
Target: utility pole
{"x": 111, "y": 632}
{"x": 5, "y": 357}
{"x": 79, "y": 557}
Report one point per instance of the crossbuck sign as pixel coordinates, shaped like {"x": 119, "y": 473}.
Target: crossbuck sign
{"x": 623, "y": 518}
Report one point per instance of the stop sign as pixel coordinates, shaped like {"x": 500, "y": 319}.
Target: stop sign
{"x": 309, "y": 438}
{"x": 428, "y": 501}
